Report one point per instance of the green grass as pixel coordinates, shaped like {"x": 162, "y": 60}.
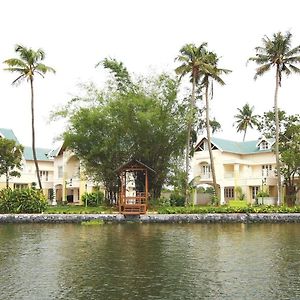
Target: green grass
{"x": 238, "y": 203}
{"x": 79, "y": 209}
{"x": 92, "y": 222}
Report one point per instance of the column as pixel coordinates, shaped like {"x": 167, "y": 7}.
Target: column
{"x": 222, "y": 198}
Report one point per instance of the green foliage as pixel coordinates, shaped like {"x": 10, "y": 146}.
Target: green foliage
{"x": 79, "y": 209}
{"x": 177, "y": 199}
{"x": 238, "y": 203}
{"x": 239, "y": 193}
{"x": 10, "y": 159}
{"x": 92, "y": 222}
{"x": 228, "y": 209}
{"x": 93, "y": 199}
{"x": 144, "y": 124}
{"x": 262, "y": 194}
{"x": 289, "y": 148}
{"x": 245, "y": 118}
{"x": 158, "y": 202}
{"x": 22, "y": 201}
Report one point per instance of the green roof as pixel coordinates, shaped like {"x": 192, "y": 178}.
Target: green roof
{"x": 8, "y": 134}
{"x": 41, "y": 153}
{"x": 248, "y": 147}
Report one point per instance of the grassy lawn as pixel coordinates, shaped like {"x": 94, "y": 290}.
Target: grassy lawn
{"x": 241, "y": 208}
{"x": 79, "y": 209}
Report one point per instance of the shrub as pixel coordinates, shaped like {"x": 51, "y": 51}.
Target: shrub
{"x": 262, "y": 194}
{"x": 160, "y": 202}
{"x": 176, "y": 199}
{"x": 22, "y": 201}
{"x": 93, "y": 199}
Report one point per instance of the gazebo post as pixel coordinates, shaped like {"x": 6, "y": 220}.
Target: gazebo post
{"x": 146, "y": 188}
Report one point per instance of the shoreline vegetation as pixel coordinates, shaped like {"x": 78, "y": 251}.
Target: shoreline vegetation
{"x": 193, "y": 209}
{"x": 101, "y": 219}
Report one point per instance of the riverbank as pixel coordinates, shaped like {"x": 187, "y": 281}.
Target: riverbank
{"x": 154, "y": 218}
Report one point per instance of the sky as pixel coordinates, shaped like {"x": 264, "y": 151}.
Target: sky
{"x": 146, "y": 35}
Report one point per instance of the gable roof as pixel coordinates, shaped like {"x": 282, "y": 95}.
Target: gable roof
{"x": 133, "y": 164}
{"x": 41, "y": 154}
{"x": 249, "y": 147}
{"x": 8, "y": 134}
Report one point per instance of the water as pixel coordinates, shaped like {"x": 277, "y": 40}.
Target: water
{"x": 149, "y": 261}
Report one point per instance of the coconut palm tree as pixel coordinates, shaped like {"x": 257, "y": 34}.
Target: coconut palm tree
{"x": 245, "y": 118}
{"x": 211, "y": 73}
{"x": 276, "y": 52}
{"x": 27, "y": 65}
{"x": 191, "y": 62}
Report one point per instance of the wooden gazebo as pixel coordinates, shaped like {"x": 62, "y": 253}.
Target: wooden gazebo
{"x": 133, "y": 193}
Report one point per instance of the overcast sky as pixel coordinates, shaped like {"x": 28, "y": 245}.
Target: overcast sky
{"x": 146, "y": 35}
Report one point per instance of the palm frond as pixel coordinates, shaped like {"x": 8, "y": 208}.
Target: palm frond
{"x": 15, "y": 62}
{"x": 262, "y": 70}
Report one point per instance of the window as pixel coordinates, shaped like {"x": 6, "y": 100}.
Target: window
{"x": 20, "y": 185}
{"x": 44, "y": 175}
{"x": 60, "y": 172}
{"x": 264, "y": 145}
{"x": 255, "y": 190}
{"x": 266, "y": 170}
{"x": 229, "y": 192}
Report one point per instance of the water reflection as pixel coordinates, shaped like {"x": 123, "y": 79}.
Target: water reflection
{"x": 148, "y": 261}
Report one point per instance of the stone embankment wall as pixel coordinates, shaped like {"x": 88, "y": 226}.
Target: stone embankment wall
{"x": 153, "y": 218}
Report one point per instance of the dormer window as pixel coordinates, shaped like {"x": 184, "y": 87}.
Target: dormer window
{"x": 203, "y": 146}
{"x": 264, "y": 145}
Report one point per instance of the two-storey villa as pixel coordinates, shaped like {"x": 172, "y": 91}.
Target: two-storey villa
{"x": 248, "y": 165}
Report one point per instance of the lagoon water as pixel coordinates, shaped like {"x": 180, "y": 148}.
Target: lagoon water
{"x": 150, "y": 261}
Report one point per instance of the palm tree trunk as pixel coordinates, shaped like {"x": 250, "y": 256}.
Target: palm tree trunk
{"x": 7, "y": 179}
{"x": 212, "y": 165}
{"x": 277, "y": 137}
{"x": 188, "y": 140}
{"x": 33, "y": 136}
{"x": 245, "y": 131}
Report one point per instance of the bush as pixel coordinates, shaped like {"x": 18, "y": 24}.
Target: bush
{"x": 228, "y": 209}
{"x": 176, "y": 199}
{"x": 93, "y": 199}
{"x": 160, "y": 202}
{"x": 22, "y": 201}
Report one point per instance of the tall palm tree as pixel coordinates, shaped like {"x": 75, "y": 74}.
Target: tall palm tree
{"x": 211, "y": 73}
{"x": 245, "y": 118}
{"x": 276, "y": 52}
{"x": 191, "y": 59}
{"x": 27, "y": 65}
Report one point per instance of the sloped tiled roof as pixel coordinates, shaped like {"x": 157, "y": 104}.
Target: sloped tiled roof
{"x": 248, "y": 147}
{"x": 41, "y": 153}
{"x": 8, "y": 134}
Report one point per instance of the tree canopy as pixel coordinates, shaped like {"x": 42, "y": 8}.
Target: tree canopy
{"x": 145, "y": 124}
{"x": 289, "y": 148}
{"x": 10, "y": 159}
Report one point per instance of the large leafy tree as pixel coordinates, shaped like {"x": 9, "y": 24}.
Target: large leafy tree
{"x": 276, "y": 53}
{"x": 124, "y": 124}
{"x": 289, "y": 149}
{"x": 191, "y": 63}
{"x": 10, "y": 159}
{"x": 211, "y": 73}
{"x": 245, "y": 118}
{"x": 27, "y": 65}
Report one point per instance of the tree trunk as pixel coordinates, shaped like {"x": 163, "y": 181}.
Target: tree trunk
{"x": 245, "y": 131}
{"x": 212, "y": 165}
{"x": 290, "y": 195}
{"x": 188, "y": 140}
{"x": 33, "y": 136}
{"x": 7, "y": 179}
{"x": 279, "y": 190}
